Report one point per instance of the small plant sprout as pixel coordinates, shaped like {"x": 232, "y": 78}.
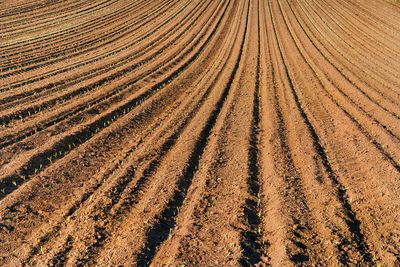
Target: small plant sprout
{"x": 14, "y": 183}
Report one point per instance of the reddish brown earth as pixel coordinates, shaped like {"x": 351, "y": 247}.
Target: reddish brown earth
{"x": 199, "y": 133}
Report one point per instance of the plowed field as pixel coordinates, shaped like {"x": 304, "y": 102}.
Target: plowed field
{"x": 199, "y": 133}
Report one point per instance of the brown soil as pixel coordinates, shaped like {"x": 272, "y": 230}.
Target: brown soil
{"x": 199, "y": 133}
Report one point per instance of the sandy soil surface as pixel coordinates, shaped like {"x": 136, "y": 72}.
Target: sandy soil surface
{"x": 199, "y": 133}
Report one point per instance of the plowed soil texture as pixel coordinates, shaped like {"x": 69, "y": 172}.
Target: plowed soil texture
{"x": 199, "y": 133}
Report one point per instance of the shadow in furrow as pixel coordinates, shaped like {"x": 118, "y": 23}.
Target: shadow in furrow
{"x": 86, "y": 47}
{"x": 251, "y": 240}
{"x": 167, "y": 219}
{"x": 60, "y": 259}
{"x": 62, "y": 84}
{"x": 117, "y": 190}
{"x": 298, "y": 210}
{"x": 378, "y": 146}
{"x": 66, "y": 145}
{"x": 101, "y": 236}
{"x": 351, "y": 220}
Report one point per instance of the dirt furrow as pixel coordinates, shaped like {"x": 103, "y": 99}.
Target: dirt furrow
{"x": 79, "y": 33}
{"x": 352, "y": 221}
{"x": 115, "y": 24}
{"x": 69, "y": 113}
{"x": 354, "y": 116}
{"x": 42, "y": 22}
{"x": 366, "y": 256}
{"x": 163, "y": 165}
{"x": 107, "y": 78}
{"x": 386, "y": 77}
{"x": 359, "y": 88}
{"x": 117, "y": 135}
{"x": 47, "y": 78}
{"x": 370, "y": 24}
{"x": 199, "y": 133}
{"x": 90, "y": 46}
{"x": 82, "y": 134}
{"x": 252, "y": 243}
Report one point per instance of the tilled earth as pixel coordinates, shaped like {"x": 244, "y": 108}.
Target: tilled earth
{"x": 199, "y": 133}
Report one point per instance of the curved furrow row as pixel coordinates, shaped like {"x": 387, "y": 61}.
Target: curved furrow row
{"x": 58, "y": 35}
{"x": 15, "y": 98}
{"x": 120, "y": 184}
{"x": 45, "y": 20}
{"x": 90, "y": 103}
{"x": 384, "y": 10}
{"x": 371, "y": 22}
{"x": 199, "y": 133}
{"x": 354, "y": 223}
{"x": 361, "y": 49}
{"x": 351, "y": 220}
{"x": 81, "y": 133}
{"x": 31, "y": 10}
{"x": 57, "y": 99}
{"x": 43, "y": 77}
{"x": 18, "y": 9}
{"x": 117, "y": 135}
{"x": 363, "y": 31}
{"x": 333, "y": 95}
{"x": 57, "y": 40}
{"x": 381, "y": 85}
{"x": 98, "y": 42}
